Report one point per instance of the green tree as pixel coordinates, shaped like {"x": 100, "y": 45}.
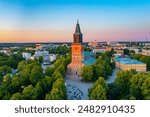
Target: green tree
{"x": 17, "y": 96}
{"x": 15, "y": 85}
{"x": 49, "y": 71}
{"x": 38, "y": 91}
{"x": 55, "y": 94}
{"x": 56, "y": 75}
{"x": 61, "y": 69}
{"x": 146, "y": 59}
{"x": 106, "y": 65}
{"x": 87, "y": 73}
{"x": 137, "y": 56}
{"x": 46, "y": 84}
{"x": 21, "y": 65}
{"x": 131, "y": 52}
{"x": 140, "y": 85}
{"x": 146, "y": 88}
{"x": 7, "y": 96}
{"x": 5, "y": 70}
{"x": 1, "y": 80}
{"x": 36, "y": 74}
{"x": 24, "y": 76}
{"x": 99, "y": 71}
{"x": 58, "y": 91}
{"x": 40, "y": 59}
{"x": 8, "y": 79}
{"x": 28, "y": 93}
{"x": 95, "y": 93}
{"x": 123, "y": 81}
{"x": 114, "y": 92}
{"x": 126, "y": 51}
{"x": 98, "y": 93}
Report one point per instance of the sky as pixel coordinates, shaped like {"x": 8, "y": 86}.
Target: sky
{"x": 55, "y": 20}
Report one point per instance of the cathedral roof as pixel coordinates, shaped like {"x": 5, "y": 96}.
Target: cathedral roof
{"x": 77, "y": 30}
{"x": 89, "y": 61}
{"x": 86, "y": 54}
{"x": 89, "y": 58}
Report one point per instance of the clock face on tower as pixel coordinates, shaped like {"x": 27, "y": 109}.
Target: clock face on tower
{"x": 76, "y": 48}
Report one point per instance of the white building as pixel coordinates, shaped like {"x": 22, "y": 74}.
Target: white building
{"x": 49, "y": 46}
{"x": 99, "y": 50}
{"x": 52, "y": 57}
{"x": 26, "y": 55}
{"x": 41, "y": 53}
{"x": 44, "y": 54}
{"x": 146, "y": 52}
{"x": 135, "y": 49}
{"x": 117, "y": 55}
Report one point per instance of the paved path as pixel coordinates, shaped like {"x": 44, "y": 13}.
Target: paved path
{"x": 78, "y": 90}
{"x": 111, "y": 78}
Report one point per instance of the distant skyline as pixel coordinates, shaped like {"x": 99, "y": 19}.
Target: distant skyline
{"x": 55, "y": 20}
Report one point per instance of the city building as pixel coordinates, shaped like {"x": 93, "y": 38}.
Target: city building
{"x": 52, "y": 57}
{"x": 108, "y": 49}
{"x": 119, "y": 51}
{"x": 117, "y": 55}
{"x": 49, "y": 46}
{"x": 145, "y": 52}
{"x": 29, "y": 48}
{"x": 46, "y": 46}
{"x": 137, "y": 50}
{"x": 112, "y": 44}
{"x": 79, "y": 57}
{"x": 93, "y": 44}
{"x": 26, "y": 55}
{"x": 128, "y": 64}
{"x": 147, "y": 46}
{"x": 38, "y": 46}
{"x": 99, "y": 50}
{"x": 7, "y": 51}
{"x": 44, "y": 54}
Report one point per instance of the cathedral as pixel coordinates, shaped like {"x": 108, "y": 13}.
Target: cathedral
{"x": 79, "y": 57}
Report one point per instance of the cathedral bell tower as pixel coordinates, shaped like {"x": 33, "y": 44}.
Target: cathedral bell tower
{"x": 76, "y": 52}
{"x": 77, "y": 36}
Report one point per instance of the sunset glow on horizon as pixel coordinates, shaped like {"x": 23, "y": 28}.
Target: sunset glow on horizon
{"x": 54, "y": 21}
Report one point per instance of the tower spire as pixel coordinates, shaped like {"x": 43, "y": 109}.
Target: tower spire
{"x": 77, "y": 35}
{"x": 78, "y": 28}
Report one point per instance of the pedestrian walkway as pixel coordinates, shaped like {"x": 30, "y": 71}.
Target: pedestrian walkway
{"x": 76, "y": 89}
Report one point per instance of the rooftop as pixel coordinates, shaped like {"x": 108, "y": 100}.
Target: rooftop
{"x": 89, "y": 61}
{"x": 128, "y": 61}
{"x": 86, "y": 53}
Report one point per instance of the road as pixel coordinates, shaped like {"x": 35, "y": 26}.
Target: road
{"x": 111, "y": 78}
